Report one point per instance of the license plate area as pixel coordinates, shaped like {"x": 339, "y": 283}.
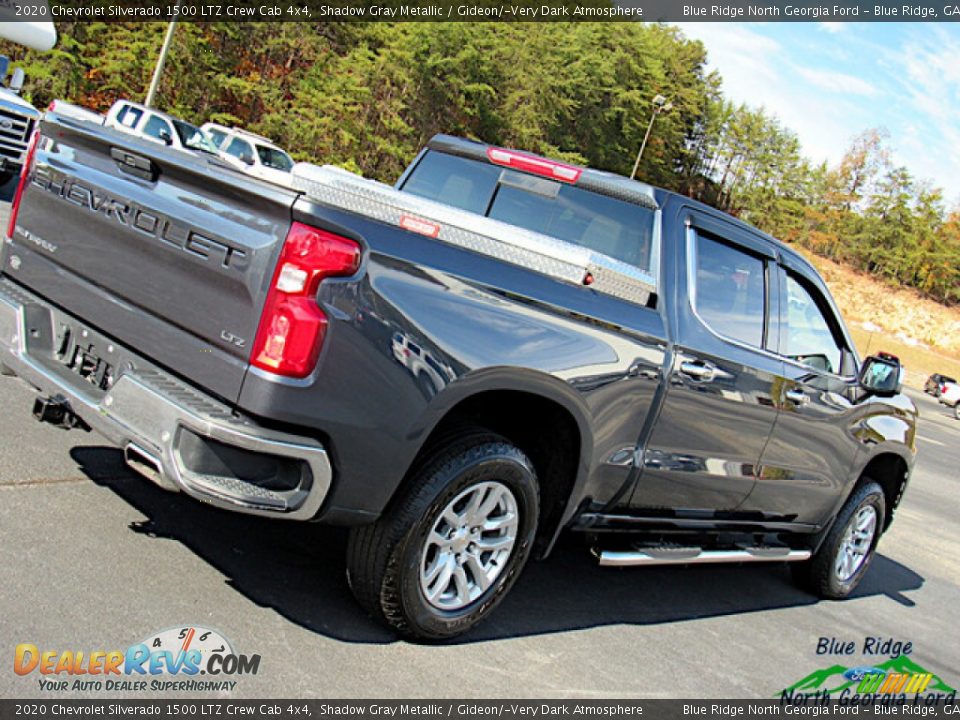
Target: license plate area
{"x": 84, "y": 357}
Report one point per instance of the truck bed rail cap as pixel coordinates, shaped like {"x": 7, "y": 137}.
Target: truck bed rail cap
{"x": 541, "y": 253}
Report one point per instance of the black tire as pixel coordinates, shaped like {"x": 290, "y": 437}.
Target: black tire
{"x": 819, "y": 574}
{"x": 383, "y": 559}
{"x": 956, "y": 410}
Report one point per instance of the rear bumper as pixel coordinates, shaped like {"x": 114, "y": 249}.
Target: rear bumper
{"x": 156, "y": 419}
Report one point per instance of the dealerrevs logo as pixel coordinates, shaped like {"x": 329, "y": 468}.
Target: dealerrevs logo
{"x": 170, "y": 660}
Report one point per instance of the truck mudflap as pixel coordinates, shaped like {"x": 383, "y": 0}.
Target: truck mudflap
{"x": 177, "y": 436}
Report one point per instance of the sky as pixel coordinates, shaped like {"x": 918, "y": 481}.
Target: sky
{"x": 828, "y": 82}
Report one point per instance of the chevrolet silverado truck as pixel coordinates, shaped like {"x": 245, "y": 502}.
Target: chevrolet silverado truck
{"x": 459, "y": 367}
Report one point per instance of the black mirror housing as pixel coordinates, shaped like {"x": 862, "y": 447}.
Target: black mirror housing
{"x": 882, "y": 375}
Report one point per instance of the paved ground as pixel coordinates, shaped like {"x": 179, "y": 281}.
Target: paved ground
{"x": 92, "y": 557}
{"x": 95, "y": 558}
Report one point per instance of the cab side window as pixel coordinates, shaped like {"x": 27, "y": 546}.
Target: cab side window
{"x": 239, "y": 149}
{"x": 806, "y": 334}
{"x": 158, "y": 128}
{"x": 730, "y": 291}
{"x": 129, "y": 116}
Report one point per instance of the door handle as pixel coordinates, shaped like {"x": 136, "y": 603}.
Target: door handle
{"x": 698, "y": 370}
{"x": 797, "y": 397}
{"x": 137, "y": 165}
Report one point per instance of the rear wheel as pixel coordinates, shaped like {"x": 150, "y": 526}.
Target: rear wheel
{"x": 846, "y": 553}
{"x": 446, "y": 553}
{"x": 956, "y": 410}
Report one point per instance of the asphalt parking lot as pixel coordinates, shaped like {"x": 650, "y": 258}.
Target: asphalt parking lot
{"x": 93, "y": 557}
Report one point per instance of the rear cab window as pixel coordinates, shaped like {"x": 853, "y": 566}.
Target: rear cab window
{"x": 616, "y": 228}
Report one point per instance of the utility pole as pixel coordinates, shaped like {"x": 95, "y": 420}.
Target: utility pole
{"x": 660, "y": 105}
{"x": 161, "y": 61}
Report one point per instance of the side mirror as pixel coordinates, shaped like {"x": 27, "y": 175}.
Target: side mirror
{"x": 165, "y": 136}
{"x": 881, "y": 375}
{"x": 246, "y": 159}
{"x": 16, "y": 80}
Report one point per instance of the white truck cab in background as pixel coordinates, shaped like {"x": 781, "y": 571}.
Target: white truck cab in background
{"x": 251, "y": 153}
{"x": 155, "y": 126}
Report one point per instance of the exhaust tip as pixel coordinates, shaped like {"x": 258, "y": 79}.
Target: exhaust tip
{"x": 145, "y": 463}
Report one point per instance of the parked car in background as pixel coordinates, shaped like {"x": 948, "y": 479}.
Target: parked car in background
{"x": 251, "y": 153}
{"x": 934, "y": 384}
{"x": 159, "y": 127}
{"x": 950, "y": 396}
{"x": 17, "y": 121}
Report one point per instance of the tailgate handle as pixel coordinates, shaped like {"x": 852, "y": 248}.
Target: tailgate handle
{"x": 136, "y": 165}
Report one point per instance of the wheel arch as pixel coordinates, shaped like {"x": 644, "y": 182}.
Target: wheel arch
{"x": 892, "y": 471}
{"x": 537, "y": 412}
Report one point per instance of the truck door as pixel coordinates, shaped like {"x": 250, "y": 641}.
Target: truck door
{"x": 808, "y": 459}
{"x": 719, "y": 410}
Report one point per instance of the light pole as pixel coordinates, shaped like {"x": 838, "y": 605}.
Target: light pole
{"x": 660, "y": 105}
{"x": 161, "y": 61}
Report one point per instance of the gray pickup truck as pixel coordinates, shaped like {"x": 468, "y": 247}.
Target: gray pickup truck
{"x": 498, "y": 348}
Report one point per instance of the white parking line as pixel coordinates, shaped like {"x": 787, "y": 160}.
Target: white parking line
{"x": 929, "y": 440}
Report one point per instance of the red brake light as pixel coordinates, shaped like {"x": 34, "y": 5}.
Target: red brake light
{"x": 292, "y": 326}
{"x": 529, "y": 163}
{"x": 28, "y": 162}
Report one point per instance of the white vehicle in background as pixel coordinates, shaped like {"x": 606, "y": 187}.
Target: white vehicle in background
{"x": 77, "y": 112}
{"x": 155, "y": 126}
{"x": 251, "y": 153}
{"x": 17, "y": 120}
{"x": 950, "y": 396}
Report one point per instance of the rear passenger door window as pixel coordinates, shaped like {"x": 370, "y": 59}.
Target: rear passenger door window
{"x": 807, "y": 336}
{"x": 730, "y": 291}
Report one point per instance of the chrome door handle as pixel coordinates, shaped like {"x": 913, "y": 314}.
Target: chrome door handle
{"x": 797, "y": 397}
{"x": 698, "y": 371}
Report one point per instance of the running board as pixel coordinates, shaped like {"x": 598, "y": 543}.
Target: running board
{"x": 684, "y": 556}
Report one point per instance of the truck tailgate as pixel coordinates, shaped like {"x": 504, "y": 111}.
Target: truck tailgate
{"x": 166, "y": 251}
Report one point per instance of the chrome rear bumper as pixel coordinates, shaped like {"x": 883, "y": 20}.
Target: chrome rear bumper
{"x": 146, "y": 412}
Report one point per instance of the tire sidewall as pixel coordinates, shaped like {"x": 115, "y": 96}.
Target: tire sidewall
{"x": 514, "y": 471}
{"x": 871, "y": 494}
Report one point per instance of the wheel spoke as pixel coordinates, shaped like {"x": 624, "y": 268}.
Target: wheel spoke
{"x": 471, "y": 511}
{"x": 497, "y": 543}
{"x": 462, "y": 585}
{"x": 443, "y": 582}
{"x": 436, "y": 538}
{"x": 501, "y": 522}
{"x": 478, "y": 573}
{"x": 490, "y": 503}
{"x": 435, "y": 569}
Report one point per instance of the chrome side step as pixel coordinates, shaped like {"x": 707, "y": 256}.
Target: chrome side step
{"x": 684, "y": 556}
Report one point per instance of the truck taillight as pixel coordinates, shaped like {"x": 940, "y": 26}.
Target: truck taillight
{"x": 28, "y": 161}
{"x": 532, "y": 164}
{"x": 292, "y": 326}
